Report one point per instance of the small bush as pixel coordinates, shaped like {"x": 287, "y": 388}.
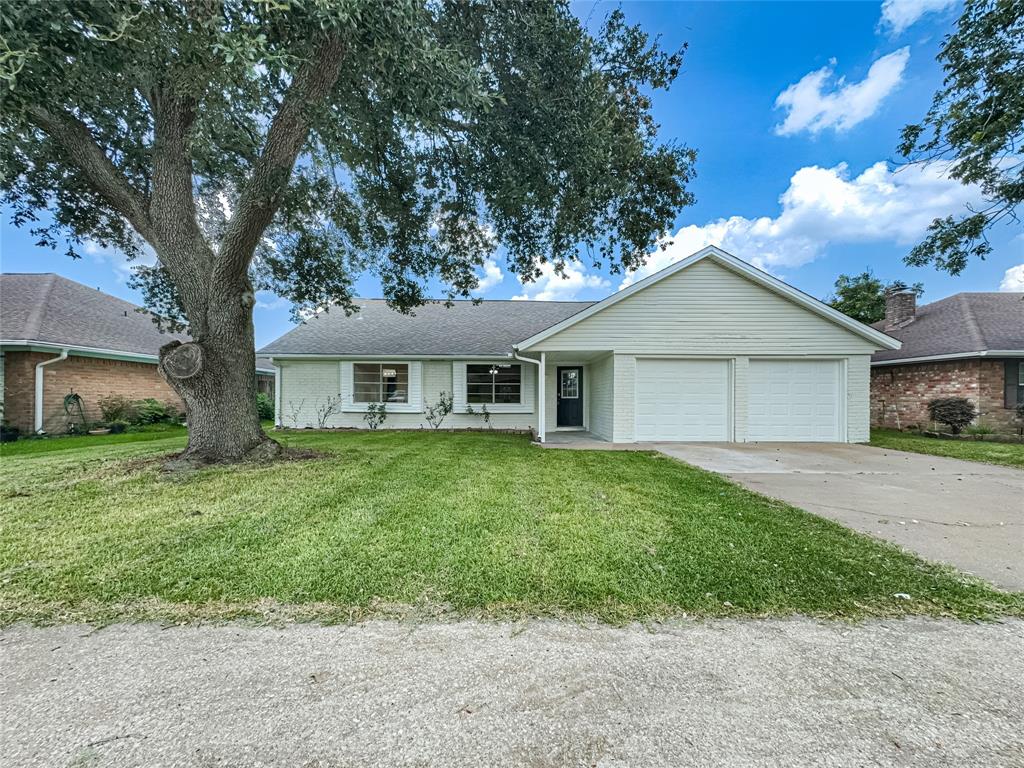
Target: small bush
{"x": 264, "y": 406}
{"x": 955, "y": 412}
{"x": 117, "y": 408}
{"x": 152, "y": 411}
{"x": 375, "y": 415}
{"x": 117, "y": 427}
{"x": 437, "y": 412}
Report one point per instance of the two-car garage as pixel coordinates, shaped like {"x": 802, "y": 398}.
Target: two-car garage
{"x": 680, "y": 399}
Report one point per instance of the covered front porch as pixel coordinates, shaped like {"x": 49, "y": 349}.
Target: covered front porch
{"x": 574, "y": 396}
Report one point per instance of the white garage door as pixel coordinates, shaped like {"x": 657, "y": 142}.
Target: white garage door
{"x": 796, "y": 400}
{"x": 682, "y": 400}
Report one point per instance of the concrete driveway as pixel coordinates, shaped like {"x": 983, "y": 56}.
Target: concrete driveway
{"x": 964, "y": 513}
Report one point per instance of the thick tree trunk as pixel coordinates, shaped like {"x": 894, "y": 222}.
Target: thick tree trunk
{"x": 215, "y": 375}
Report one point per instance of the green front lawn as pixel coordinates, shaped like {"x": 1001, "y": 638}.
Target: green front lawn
{"x": 1008, "y": 454}
{"x": 47, "y": 444}
{"x": 427, "y": 523}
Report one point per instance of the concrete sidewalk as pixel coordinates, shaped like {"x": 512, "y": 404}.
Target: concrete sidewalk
{"x": 968, "y": 514}
{"x": 724, "y": 693}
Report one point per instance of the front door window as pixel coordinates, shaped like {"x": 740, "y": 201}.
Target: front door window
{"x": 570, "y": 384}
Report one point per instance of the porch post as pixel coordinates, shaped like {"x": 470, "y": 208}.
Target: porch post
{"x": 540, "y": 399}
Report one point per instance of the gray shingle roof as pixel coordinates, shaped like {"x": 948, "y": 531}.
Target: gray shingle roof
{"x": 963, "y": 323}
{"x": 51, "y": 309}
{"x": 465, "y": 328}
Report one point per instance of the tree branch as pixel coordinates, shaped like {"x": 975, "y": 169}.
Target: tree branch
{"x": 78, "y": 143}
{"x": 287, "y": 134}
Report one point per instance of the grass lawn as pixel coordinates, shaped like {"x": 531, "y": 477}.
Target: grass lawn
{"x": 1008, "y": 454}
{"x": 67, "y": 442}
{"x": 425, "y": 523}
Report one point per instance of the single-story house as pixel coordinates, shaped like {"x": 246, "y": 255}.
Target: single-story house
{"x": 967, "y": 345}
{"x": 708, "y": 349}
{"x": 59, "y": 337}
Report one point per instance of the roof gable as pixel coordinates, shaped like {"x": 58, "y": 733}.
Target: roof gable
{"x": 734, "y": 265}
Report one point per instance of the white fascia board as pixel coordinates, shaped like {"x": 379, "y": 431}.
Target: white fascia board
{"x": 369, "y": 358}
{"x": 951, "y": 356}
{"x": 737, "y": 265}
{"x": 72, "y": 348}
{"x": 97, "y": 352}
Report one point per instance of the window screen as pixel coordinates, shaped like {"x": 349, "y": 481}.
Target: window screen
{"x": 500, "y": 383}
{"x": 380, "y": 382}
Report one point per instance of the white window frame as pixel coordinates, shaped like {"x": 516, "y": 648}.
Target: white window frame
{"x": 380, "y": 382}
{"x": 414, "y": 397}
{"x": 527, "y": 387}
{"x": 492, "y": 402}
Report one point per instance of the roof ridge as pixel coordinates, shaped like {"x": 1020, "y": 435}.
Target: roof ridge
{"x": 35, "y": 317}
{"x": 489, "y": 301}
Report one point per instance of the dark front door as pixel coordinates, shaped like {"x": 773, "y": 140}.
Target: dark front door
{"x": 570, "y": 396}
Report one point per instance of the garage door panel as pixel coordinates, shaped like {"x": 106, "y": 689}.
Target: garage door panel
{"x": 682, "y": 400}
{"x": 794, "y": 400}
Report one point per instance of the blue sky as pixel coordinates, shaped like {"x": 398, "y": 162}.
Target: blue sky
{"x": 795, "y": 110}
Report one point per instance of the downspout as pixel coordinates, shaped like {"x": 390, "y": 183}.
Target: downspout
{"x": 540, "y": 390}
{"x": 278, "y": 423}
{"x": 39, "y": 388}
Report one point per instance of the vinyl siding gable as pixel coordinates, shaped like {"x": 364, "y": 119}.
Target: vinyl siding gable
{"x": 707, "y": 309}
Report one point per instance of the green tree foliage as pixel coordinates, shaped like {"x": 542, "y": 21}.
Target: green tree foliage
{"x": 294, "y": 146}
{"x": 862, "y": 296}
{"x": 976, "y": 125}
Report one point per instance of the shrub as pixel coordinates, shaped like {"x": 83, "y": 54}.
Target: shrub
{"x": 483, "y": 412}
{"x": 152, "y": 411}
{"x": 375, "y": 415}
{"x": 264, "y": 406}
{"x": 955, "y": 412}
{"x": 436, "y": 413}
{"x": 117, "y": 408}
{"x": 117, "y": 427}
{"x": 326, "y": 409}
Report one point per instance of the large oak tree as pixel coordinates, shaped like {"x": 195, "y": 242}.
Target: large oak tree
{"x": 295, "y": 144}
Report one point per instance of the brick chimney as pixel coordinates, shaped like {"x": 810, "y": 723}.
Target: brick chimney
{"x": 900, "y": 306}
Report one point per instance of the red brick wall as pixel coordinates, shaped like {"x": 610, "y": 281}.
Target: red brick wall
{"x": 90, "y": 377}
{"x": 900, "y": 393}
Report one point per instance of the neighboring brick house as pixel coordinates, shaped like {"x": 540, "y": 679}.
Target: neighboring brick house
{"x": 60, "y": 337}
{"x": 967, "y": 345}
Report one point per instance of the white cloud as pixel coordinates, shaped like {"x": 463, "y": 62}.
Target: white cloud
{"x": 845, "y": 104}
{"x": 270, "y": 300}
{"x": 491, "y": 277}
{"x": 123, "y": 268}
{"x": 1013, "y": 279}
{"x": 823, "y": 206}
{"x": 552, "y": 287}
{"x": 897, "y": 15}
